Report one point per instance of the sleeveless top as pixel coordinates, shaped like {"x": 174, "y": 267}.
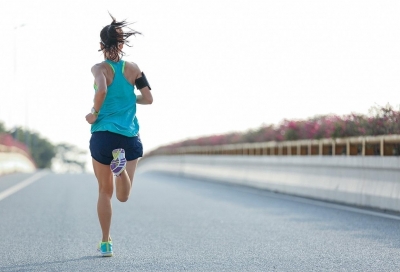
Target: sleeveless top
{"x": 118, "y": 112}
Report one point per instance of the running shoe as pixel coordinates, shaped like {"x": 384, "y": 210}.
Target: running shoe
{"x": 105, "y": 249}
{"x": 118, "y": 164}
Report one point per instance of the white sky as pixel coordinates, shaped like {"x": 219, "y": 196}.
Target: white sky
{"x": 214, "y": 66}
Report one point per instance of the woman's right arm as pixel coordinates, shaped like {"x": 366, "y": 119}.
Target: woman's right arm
{"x": 98, "y": 72}
{"x": 100, "y": 80}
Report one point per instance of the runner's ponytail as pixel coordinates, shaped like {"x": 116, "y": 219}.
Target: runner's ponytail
{"x": 113, "y": 35}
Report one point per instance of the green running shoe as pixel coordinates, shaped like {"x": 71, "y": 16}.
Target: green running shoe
{"x": 105, "y": 248}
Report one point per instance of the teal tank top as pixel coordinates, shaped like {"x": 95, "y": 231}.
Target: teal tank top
{"x": 118, "y": 112}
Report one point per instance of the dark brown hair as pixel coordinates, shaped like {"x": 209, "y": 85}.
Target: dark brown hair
{"x": 113, "y": 35}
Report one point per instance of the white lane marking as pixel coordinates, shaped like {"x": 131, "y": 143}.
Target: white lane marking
{"x": 21, "y": 185}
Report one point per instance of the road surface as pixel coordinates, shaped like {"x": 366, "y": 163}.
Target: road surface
{"x": 176, "y": 224}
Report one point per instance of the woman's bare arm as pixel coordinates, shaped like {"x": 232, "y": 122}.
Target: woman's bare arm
{"x": 98, "y": 72}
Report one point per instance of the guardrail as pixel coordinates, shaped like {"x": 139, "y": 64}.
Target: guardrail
{"x": 13, "y": 149}
{"x": 385, "y": 145}
{"x": 365, "y": 181}
{"x": 14, "y": 159}
{"x": 363, "y": 171}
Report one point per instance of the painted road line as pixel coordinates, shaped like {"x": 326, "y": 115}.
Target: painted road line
{"x": 21, "y": 185}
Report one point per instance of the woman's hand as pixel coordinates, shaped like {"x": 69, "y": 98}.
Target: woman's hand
{"x": 91, "y": 118}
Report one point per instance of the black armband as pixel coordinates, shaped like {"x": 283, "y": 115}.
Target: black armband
{"x": 142, "y": 82}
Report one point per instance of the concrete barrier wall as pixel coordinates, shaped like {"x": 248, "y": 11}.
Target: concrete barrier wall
{"x": 15, "y": 162}
{"x": 364, "y": 181}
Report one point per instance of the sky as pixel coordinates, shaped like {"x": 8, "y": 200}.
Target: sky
{"x": 214, "y": 66}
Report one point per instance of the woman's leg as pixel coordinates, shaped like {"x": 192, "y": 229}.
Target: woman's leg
{"x": 123, "y": 183}
{"x": 104, "y": 209}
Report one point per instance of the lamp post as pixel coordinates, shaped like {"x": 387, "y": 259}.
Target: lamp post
{"x": 15, "y": 80}
{"x": 15, "y": 48}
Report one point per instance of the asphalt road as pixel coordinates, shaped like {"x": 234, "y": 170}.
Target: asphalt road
{"x": 176, "y": 224}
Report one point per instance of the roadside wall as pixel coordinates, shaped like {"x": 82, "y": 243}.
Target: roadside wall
{"x": 364, "y": 181}
{"x": 14, "y": 160}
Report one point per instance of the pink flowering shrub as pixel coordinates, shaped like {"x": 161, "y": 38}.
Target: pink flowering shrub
{"x": 9, "y": 141}
{"x": 381, "y": 120}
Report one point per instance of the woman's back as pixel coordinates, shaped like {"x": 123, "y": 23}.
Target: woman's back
{"x": 118, "y": 113}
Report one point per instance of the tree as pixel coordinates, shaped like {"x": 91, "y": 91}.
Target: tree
{"x": 42, "y": 151}
{"x": 2, "y": 128}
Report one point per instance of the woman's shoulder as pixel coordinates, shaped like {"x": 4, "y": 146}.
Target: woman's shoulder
{"x": 132, "y": 65}
{"x": 99, "y": 66}
{"x": 132, "y": 68}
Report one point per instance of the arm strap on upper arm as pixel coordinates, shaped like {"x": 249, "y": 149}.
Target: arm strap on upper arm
{"x": 142, "y": 82}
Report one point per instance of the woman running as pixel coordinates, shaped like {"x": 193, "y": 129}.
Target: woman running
{"x": 115, "y": 145}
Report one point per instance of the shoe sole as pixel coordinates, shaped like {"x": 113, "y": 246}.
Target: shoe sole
{"x": 117, "y": 166}
{"x": 107, "y": 254}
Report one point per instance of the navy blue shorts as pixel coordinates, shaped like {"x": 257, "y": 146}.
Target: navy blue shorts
{"x": 102, "y": 143}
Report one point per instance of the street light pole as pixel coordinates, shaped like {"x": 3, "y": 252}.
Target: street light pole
{"x": 15, "y": 79}
{"x": 7, "y": 97}
{"x": 15, "y": 49}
